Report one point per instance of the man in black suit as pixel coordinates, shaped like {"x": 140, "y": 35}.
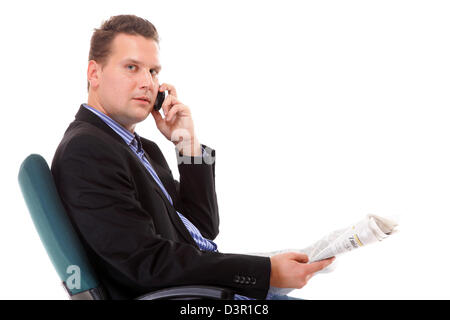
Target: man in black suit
{"x": 142, "y": 229}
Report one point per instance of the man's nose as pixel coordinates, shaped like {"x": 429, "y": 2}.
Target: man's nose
{"x": 146, "y": 80}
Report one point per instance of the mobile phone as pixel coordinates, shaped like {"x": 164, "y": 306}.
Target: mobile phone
{"x": 159, "y": 100}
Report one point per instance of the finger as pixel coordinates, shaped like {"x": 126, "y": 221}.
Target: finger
{"x": 319, "y": 265}
{"x": 168, "y": 103}
{"x": 170, "y": 88}
{"x": 176, "y": 109}
{"x": 172, "y": 112}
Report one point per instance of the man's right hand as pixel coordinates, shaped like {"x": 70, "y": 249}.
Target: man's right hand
{"x": 292, "y": 270}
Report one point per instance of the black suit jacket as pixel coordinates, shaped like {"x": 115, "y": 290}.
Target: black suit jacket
{"x": 131, "y": 232}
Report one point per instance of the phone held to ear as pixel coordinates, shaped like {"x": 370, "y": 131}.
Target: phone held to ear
{"x": 159, "y": 100}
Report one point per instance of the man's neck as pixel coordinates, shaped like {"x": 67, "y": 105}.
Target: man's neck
{"x": 92, "y": 102}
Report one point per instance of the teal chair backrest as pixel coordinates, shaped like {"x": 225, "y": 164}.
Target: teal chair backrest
{"x": 56, "y": 231}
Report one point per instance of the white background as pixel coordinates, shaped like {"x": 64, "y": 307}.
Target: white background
{"x": 320, "y": 113}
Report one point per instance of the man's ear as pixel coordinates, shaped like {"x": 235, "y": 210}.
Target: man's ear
{"x": 93, "y": 73}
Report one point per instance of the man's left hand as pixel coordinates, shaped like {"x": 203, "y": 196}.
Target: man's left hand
{"x": 177, "y": 126}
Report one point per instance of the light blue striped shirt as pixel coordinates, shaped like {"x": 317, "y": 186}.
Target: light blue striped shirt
{"x": 134, "y": 142}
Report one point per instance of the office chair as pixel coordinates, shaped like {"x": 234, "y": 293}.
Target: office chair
{"x": 65, "y": 249}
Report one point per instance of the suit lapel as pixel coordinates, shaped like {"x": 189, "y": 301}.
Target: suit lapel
{"x": 165, "y": 176}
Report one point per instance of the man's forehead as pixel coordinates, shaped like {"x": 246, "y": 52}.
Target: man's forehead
{"x": 135, "y": 49}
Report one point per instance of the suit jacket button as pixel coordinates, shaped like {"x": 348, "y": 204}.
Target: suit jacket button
{"x": 236, "y": 279}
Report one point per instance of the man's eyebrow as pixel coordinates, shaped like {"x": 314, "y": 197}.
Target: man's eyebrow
{"x": 157, "y": 66}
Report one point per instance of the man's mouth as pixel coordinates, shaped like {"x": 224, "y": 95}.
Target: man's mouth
{"x": 143, "y": 99}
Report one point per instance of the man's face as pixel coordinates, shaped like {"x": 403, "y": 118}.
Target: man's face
{"x": 130, "y": 72}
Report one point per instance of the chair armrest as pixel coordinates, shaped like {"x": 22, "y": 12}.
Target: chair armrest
{"x": 189, "y": 293}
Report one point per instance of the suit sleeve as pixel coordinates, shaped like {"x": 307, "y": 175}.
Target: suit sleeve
{"x": 197, "y": 192}
{"x": 100, "y": 198}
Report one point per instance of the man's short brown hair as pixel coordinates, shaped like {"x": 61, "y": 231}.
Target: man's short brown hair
{"x": 129, "y": 24}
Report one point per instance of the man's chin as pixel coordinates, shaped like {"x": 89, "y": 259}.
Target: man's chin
{"x": 130, "y": 121}
{"x": 141, "y": 116}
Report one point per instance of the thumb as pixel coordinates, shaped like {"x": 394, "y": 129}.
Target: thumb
{"x": 157, "y": 116}
{"x": 319, "y": 265}
{"x": 299, "y": 257}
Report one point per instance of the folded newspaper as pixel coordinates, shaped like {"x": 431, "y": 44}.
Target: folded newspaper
{"x": 369, "y": 230}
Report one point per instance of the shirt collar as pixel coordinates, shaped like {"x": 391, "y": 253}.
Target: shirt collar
{"x": 130, "y": 139}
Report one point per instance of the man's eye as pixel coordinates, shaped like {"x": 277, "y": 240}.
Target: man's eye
{"x": 131, "y": 67}
{"x": 154, "y": 72}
